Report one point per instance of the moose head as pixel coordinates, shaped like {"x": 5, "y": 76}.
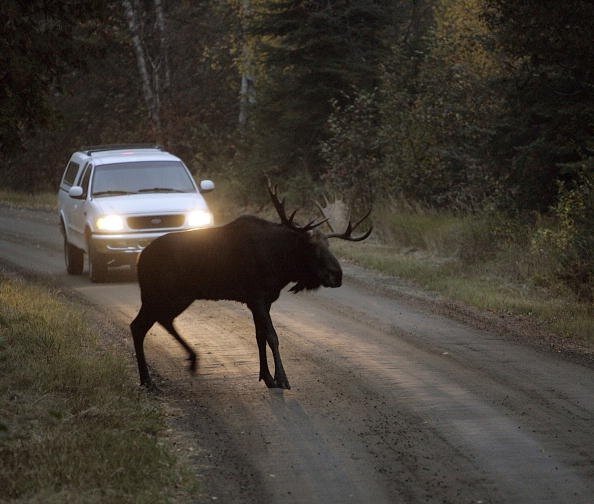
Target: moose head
{"x": 320, "y": 266}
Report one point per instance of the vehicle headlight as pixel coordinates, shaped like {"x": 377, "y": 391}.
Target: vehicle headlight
{"x": 199, "y": 218}
{"x": 110, "y": 223}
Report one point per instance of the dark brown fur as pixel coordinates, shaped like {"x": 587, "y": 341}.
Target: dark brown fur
{"x": 249, "y": 260}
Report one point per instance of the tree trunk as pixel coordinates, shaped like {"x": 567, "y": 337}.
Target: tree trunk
{"x": 247, "y": 90}
{"x": 150, "y": 99}
{"x": 163, "y": 49}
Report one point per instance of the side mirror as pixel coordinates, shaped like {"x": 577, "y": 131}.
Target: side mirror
{"x": 206, "y": 186}
{"x": 75, "y": 192}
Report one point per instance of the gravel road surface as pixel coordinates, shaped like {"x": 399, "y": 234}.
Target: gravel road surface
{"x": 391, "y": 402}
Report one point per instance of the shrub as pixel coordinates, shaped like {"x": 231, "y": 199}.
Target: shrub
{"x": 353, "y": 150}
{"x": 568, "y": 243}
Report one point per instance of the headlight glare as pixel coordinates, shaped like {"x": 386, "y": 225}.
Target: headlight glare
{"x": 199, "y": 218}
{"x": 110, "y": 223}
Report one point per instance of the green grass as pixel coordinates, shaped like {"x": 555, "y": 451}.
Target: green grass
{"x": 40, "y": 200}
{"x": 73, "y": 427}
{"x": 484, "y": 263}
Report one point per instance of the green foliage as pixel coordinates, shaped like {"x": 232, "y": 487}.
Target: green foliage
{"x": 201, "y": 107}
{"x": 436, "y": 107}
{"x": 353, "y": 150}
{"x": 311, "y": 55}
{"x": 545, "y": 129}
{"x": 39, "y": 43}
{"x": 567, "y": 244}
{"x": 101, "y": 101}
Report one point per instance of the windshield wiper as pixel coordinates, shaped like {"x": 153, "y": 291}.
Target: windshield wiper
{"x": 160, "y": 189}
{"x": 112, "y": 192}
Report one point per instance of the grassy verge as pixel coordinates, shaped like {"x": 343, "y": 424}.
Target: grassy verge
{"x": 40, "y": 200}
{"x": 485, "y": 263}
{"x": 72, "y": 427}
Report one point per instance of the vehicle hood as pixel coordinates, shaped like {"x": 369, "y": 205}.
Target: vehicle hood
{"x": 150, "y": 203}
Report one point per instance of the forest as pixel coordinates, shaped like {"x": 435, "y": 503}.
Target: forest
{"x": 479, "y": 109}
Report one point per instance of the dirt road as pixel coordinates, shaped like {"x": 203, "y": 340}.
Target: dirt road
{"x": 390, "y": 402}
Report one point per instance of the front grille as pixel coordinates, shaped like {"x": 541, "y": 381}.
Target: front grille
{"x": 156, "y": 221}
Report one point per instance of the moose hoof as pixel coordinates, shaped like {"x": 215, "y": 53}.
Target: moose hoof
{"x": 282, "y": 383}
{"x": 192, "y": 366}
{"x": 269, "y": 381}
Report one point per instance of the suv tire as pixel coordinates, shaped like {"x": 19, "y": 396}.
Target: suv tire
{"x": 97, "y": 265}
{"x": 74, "y": 258}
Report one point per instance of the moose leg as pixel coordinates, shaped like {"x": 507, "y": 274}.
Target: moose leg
{"x": 264, "y": 371}
{"x": 168, "y": 325}
{"x": 139, "y": 327}
{"x": 265, "y": 333}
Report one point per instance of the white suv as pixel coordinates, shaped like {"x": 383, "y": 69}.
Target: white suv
{"x": 114, "y": 200}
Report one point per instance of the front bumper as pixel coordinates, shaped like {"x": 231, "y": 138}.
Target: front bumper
{"x": 132, "y": 243}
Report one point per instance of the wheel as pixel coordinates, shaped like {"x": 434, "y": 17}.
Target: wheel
{"x": 74, "y": 258}
{"x": 97, "y": 265}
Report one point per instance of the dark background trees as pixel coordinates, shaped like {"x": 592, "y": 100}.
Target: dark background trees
{"x": 545, "y": 132}
{"x": 40, "y": 42}
{"x": 313, "y": 55}
{"x": 453, "y": 103}
{"x": 468, "y": 105}
{"x": 70, "y": 78}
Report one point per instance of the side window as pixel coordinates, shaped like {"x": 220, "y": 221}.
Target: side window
{"x": 82, "y": 174}
{"x": 70, "y": 173}
{"x": 84, "y": 181}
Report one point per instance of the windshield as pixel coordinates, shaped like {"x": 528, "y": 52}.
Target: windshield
{"x": 141, "y": 177}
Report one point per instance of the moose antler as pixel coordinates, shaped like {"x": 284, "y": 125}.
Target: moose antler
{"x": 280, "y": 209}
{"x": 350, "y": 228}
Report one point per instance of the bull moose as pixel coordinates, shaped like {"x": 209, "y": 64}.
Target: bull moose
{"x": 249, "y": 260}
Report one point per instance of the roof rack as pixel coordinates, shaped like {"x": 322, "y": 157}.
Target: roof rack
{"x": 90, "y": 149}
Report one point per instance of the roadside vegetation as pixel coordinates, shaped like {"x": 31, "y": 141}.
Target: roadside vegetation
{"x": 38, "y": 200}
{"x": 73, "y": 428}
{"x": 487, "y": 262}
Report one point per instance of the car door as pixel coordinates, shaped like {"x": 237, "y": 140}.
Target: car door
{"x": 78, "y": 209}
{"x": 65, "y": 201}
